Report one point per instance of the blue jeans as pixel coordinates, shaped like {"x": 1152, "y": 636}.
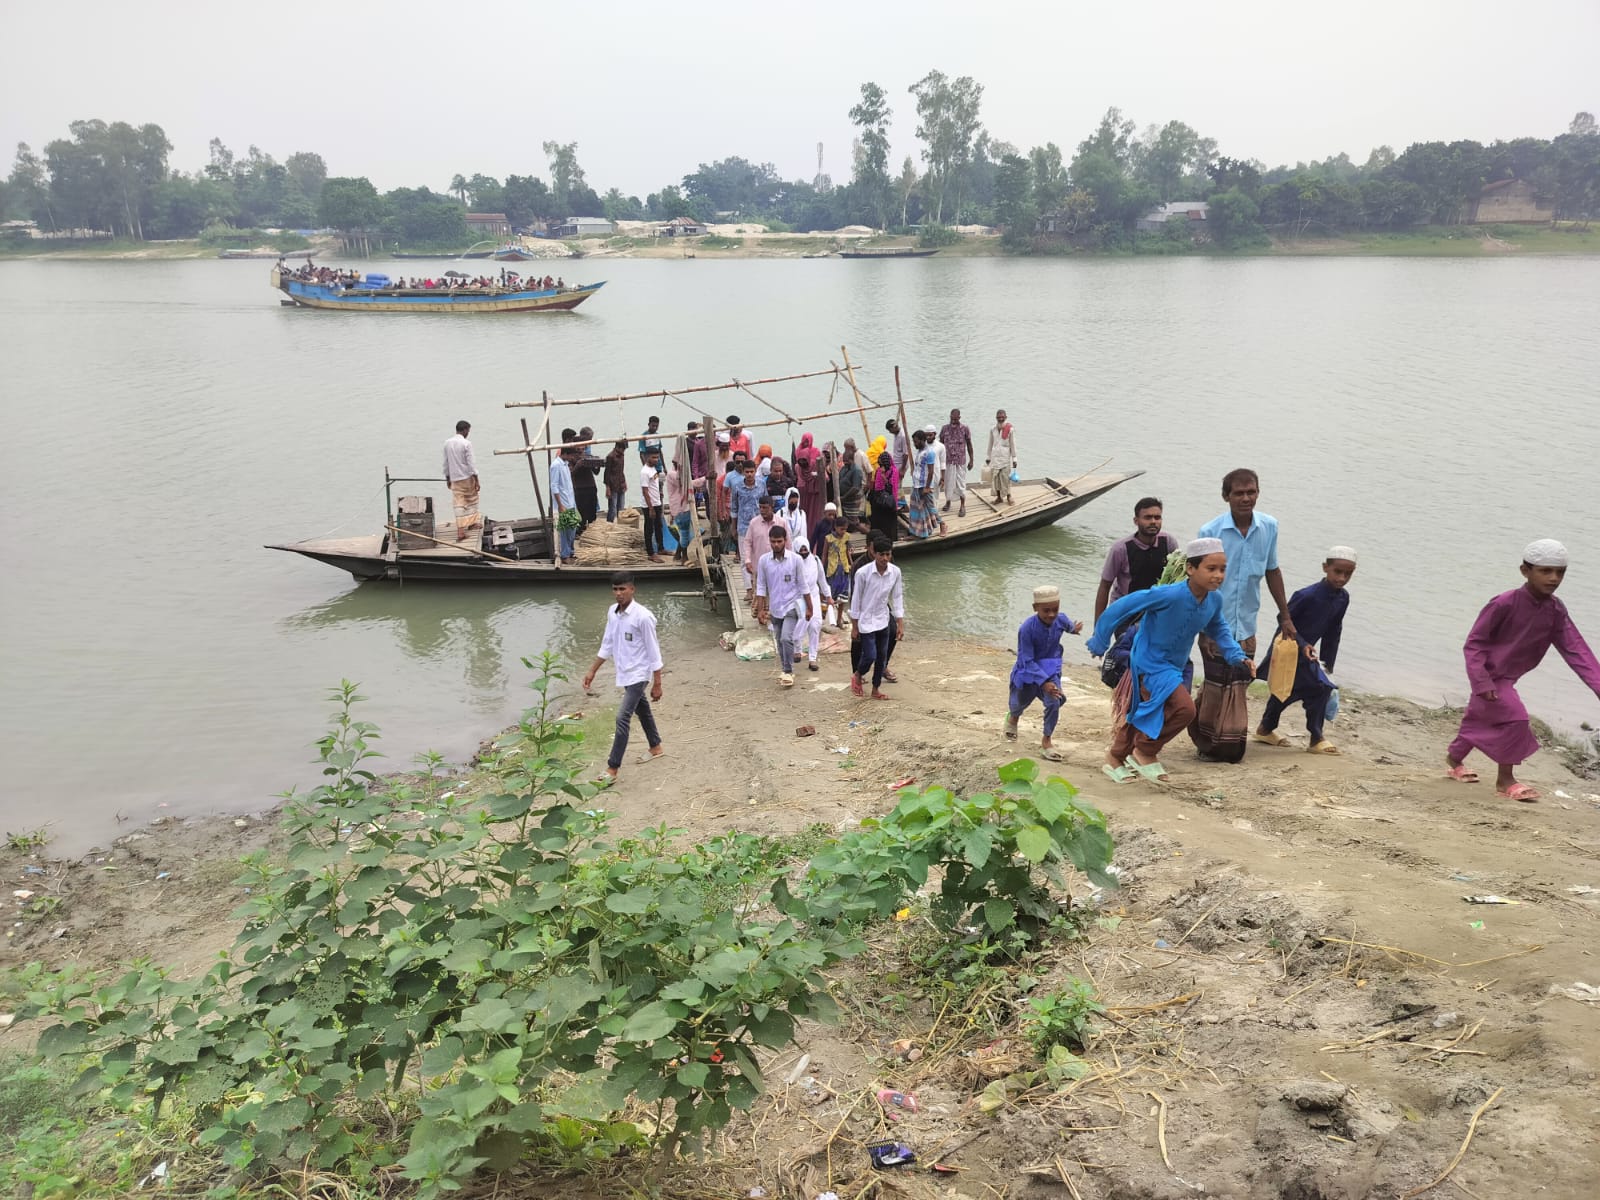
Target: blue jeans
{"x": 614, "y": 505}
{"x": 681, "y": 524}
{"x": 568, "y": 539}
{"x": 1025, "y": 694}
{"x": 874, "y": 653}
{"x": 633, "y": 701}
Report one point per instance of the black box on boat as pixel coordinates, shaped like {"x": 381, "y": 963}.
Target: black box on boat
{"x": 414, "y": 515}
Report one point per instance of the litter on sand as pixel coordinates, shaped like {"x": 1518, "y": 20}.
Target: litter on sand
{"x": 890, "y": 1154}
{"x": 1489, "y": 900}
{"x": 1585, "y": 992}
{"x": 1475, "y": 924}
{"x": 901, "y": 783}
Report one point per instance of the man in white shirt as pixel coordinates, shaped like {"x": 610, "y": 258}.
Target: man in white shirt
{"x": 650, "y": 487}
{"x": 876, "y": 594}
{"x": 815, "y": 580}
{"x": 461, "y": 476}
{"x": 566, "y": 503}
{"x": 782, "y": 601}
{"x": 941, "y": 458}
{"x": 1001, "y": 459}
{"x": 630, "y": 643}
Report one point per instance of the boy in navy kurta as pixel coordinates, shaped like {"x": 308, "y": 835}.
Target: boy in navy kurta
{"x": 1318, "y": 615}
{"x": 1037, "y": 673}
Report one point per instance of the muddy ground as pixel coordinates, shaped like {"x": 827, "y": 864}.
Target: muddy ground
{"x": 1300, "y": 1002}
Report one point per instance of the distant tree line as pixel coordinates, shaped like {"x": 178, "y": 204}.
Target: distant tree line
{"x": 117, "y": 177}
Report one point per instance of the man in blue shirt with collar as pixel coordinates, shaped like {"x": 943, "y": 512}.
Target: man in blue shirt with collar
{"x": 1250, "y": 540}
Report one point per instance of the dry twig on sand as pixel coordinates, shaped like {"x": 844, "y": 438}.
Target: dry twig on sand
{"x": 1472, "y": 1127}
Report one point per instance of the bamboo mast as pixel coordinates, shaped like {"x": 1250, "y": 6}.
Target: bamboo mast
{"x": 662, "y": 393}
{"x": 555, "y": 534}
{"x": 819, "y": 416}
{"x": 850, "y": 374}
{"x": 533, "y": 474}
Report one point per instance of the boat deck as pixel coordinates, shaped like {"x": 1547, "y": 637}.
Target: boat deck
{"x": 1034, "y": 502}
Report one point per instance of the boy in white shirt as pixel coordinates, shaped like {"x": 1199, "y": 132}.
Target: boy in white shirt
{"x": 630, "y": 643}
{"x": 650, "y": 486}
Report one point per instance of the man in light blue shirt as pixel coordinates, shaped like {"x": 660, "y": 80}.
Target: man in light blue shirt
{"x": 1250, "y": 540}
{"x": 565, "y": 501}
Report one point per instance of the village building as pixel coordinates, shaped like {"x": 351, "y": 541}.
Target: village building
{"x": 488, "y": 225}
{"x": 1156, "y": 219}
{"x": 580, "y": 227}
{"x": 1510, "y": 202}
{"x": 683, "y": 227}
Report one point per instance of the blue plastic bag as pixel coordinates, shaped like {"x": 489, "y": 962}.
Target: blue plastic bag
{"x": 1333, "y": 704}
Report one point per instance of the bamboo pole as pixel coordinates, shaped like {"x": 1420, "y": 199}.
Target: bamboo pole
{"x": 820, "y": 416}
{"x": 554, "y": 533}
{"x": 664, "y": 392}
{"x": 850, "y": 374}
{"x": 397, "y": 531}
{"x": 686, "y": 482}
{"x": 533, "y": 474}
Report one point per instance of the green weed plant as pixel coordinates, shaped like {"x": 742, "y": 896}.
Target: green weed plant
{"x": 497, "y": 979}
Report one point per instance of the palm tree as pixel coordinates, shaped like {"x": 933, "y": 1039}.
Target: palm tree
{"x": 458, "y": 187}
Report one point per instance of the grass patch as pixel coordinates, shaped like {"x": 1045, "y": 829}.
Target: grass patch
{"x": 715, "y": 241}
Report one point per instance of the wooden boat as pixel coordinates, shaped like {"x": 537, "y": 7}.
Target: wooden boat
{"x": 512, "y": 254}
{"x": 250, "y": 254}
{"x": 375, "y": 294}
{"x": 1038, "y": 502}
{"x": 887, "y": 252}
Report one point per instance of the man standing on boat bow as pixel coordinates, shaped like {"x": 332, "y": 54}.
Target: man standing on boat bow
{"x": 461, "y": 476}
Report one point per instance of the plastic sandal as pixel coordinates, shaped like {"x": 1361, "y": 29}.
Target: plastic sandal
{"x": 1154, "y": 772}
{"x": 1461, "y": 775}
{"x": 1116, "y": 774}
{"x": 1323, "y": 748}
{"x": 1269, "y": 739}
{"x": 1518, "y": 791}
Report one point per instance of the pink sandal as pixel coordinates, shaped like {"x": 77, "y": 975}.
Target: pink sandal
{"x": 1461, "y": 774}
{"x": 1518, "y": 791}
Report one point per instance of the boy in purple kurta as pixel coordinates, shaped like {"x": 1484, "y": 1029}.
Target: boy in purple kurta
{"x": 1511, "y": 635}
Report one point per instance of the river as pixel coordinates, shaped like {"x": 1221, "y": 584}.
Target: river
{"x": 164, "y": 420}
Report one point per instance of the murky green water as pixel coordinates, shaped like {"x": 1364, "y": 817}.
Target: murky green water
{"x": 164, "y": 420}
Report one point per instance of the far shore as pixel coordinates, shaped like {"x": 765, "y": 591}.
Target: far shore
{"x": 754, "y": 241}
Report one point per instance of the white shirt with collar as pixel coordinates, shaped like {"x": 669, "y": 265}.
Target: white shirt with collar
{"x": 458, "y": 460}
{"x": 630, "y": 643}
{"x": 779, "y": 581}
{"x": 875, "y": 596}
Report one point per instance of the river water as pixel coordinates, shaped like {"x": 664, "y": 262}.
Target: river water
{"x": 165, "y": 419}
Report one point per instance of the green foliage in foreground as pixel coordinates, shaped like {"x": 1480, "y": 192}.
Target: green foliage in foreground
{"x": 500, "y": 980}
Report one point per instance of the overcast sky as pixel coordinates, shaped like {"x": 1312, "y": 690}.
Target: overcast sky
{"x": 410, "y": 93}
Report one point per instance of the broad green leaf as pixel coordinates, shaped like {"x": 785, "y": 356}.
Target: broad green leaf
{"x": 636, "y": 901}
{"x": 693, "y": 1074}
{"x": 1023, "y": 770}
{"x": 976, "y": 844}
{"x": 1033, "y": 842}
{"x": 1051, "y": 800}
{"x": 998, "y": 914}
{"x": 654, "y": 1020}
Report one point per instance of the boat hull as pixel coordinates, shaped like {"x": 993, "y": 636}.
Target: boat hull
{"x": 322, "y": 296}
{"x": 371, "y": 558}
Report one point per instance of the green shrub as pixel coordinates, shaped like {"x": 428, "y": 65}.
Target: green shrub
{"x": 934, "y": 235}
{"x": 503, "y": 979}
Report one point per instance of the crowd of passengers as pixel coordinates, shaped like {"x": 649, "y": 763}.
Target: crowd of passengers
{"x": 505, "y": 281}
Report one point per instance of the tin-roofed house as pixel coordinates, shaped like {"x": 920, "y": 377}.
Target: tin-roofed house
{"x": 1186, "y": 210}
{"x": 1510, "y": 202}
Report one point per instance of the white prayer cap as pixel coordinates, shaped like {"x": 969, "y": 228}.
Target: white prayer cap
{"x": 1342, "y": 553}
{"x": 800, "y": 544}
{"x": 1201, "y": 547}
{"x": 1046, "y": 594}
{"x": 830, "y": 506}
{"x": 724, "y": 436}
{"x": 933, "y": 429}
{"x": 1546, "y": 552}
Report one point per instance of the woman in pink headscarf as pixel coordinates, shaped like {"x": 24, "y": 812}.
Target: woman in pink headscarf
{"x": 808, "y": 478}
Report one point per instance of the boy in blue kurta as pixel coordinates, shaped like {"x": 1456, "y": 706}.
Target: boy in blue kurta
{"x": 1317, "y": 613}
{"x": 1037, "y": 673}
{"x": 1159, "y": 707}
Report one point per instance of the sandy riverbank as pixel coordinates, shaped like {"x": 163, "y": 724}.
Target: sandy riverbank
{"x": 1284, "y": 1060}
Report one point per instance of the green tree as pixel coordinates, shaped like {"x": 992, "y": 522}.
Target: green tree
{"x": 1049, "y": 177}
{"x": 1231, "y": 219}
{"x": 220, "y": 165}
{"x": 527, "y": 200}
{"x": 905, "y": 186}
{"x": 309, "y": 173}
{"x": 1235, "y": 173}
{"x": 349, "y": 205}
{"x": 1015, "y": 210}
{"x": 421, "y": 218}
{"x": 734, "y": 185}
{"x": 1583, "y": 125}
{"x": 621, "y": 208}
{"x": 29, "y": 184}
{"x": 1113, "y": 137}
{"x": 948, "y": 123}
{"x": 484, "y": 194}
{"x": 565, "y": 175}
{"x": 1168, "y": 157}
{"x": 458, "y": 187}
{"x": 871, "y": 116}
